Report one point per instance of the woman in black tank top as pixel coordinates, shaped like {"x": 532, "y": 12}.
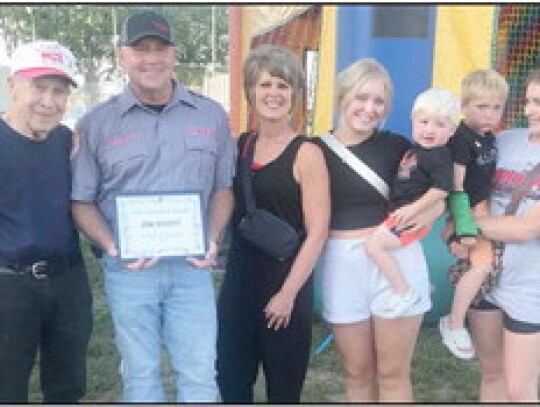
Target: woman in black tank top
{"x": 265, "y": 305}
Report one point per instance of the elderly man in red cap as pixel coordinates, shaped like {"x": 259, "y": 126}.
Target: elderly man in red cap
{"x": 45, "y": 299}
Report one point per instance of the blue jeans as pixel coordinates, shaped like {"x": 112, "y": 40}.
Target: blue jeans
{"x": 171, "y": 303}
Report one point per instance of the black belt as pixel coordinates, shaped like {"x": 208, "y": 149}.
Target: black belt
{"x": 39, "y": 270}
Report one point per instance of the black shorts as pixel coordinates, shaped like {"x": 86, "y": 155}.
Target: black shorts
{"x": 509, "y": 323}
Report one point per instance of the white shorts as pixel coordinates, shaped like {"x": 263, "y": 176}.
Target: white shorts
{"x": 351, "y": 286}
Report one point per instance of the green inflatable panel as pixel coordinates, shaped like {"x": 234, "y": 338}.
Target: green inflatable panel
{"x": 438, "y": 259}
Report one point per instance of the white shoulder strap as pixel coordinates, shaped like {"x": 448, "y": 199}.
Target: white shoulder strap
{"x": 357, "y": 165}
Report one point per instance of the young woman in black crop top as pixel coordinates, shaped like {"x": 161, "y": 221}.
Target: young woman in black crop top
{"x": 265, "y": 305}
{"x": 351, "y": 286}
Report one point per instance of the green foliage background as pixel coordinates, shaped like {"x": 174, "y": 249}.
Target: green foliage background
{"x": 91, "y": 32}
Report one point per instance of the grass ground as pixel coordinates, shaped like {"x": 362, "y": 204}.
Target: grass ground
{"x": 437, "y": 376}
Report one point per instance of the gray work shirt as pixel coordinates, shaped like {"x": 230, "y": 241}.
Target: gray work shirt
{"x": 127, "y": 147}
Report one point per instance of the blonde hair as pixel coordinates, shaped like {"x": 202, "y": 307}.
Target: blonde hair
{"x": 482, "y": 82}
{"x": 360, "y": 72}
{"x": 438, "y": 102}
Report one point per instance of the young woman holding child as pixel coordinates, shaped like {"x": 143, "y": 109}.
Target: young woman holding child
{"x": 506, "y": 330}
{"x": 376, "y": 352}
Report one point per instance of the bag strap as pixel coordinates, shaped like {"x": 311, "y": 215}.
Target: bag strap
{"x": 521, "y": 192}
{"x": 247, "y": 160}
{"x": 357, "y": 165}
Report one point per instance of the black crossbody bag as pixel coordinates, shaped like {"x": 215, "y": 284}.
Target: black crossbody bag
{"x": 270, "y": 234}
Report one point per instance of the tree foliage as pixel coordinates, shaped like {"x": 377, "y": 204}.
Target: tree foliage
{"x": 91, "y": 32}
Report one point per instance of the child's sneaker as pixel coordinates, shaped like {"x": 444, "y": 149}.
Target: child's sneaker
{"x": 396, "y": 305}
{"x": 458, "y": 341}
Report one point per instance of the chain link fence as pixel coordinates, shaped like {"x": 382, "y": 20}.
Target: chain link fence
{"x": 515, "y": 52}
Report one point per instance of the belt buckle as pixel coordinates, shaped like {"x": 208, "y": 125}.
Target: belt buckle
{"x": 39, "y": 270}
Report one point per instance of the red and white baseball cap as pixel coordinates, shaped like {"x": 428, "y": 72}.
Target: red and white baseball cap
{"x": 41, "y": 58}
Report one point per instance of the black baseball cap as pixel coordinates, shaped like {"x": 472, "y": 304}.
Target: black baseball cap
{"x": 145, "y": 24}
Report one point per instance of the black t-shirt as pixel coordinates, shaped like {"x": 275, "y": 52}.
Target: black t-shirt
{"x": 35, "y": 216}
{"x": 419, "y": 170}
{"x": 478, "y": 153}
{"x": 356, "y": 203}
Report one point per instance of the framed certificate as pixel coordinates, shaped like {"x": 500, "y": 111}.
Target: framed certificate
{"x": 160, "y": 225}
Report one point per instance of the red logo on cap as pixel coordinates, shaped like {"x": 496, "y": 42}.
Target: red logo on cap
{"x": 52, "y": 56}
{"x": 160, "y": 25}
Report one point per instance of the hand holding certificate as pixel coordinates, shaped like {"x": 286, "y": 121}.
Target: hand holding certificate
{"x": 160, "y": 225}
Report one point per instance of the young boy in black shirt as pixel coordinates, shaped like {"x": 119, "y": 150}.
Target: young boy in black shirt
{"x": 483, "y": 96}
{"x": 425, "y": 176}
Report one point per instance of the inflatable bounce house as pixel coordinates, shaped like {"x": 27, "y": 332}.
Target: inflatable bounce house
{"x": 421, "y": 45}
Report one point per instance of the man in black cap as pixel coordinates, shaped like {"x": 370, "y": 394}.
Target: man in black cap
{"x": 146, "y": 24}
{"x": 156, "y": 136}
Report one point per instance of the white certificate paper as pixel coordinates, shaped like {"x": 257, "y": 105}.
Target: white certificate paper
{"x": 160, "y": 225}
